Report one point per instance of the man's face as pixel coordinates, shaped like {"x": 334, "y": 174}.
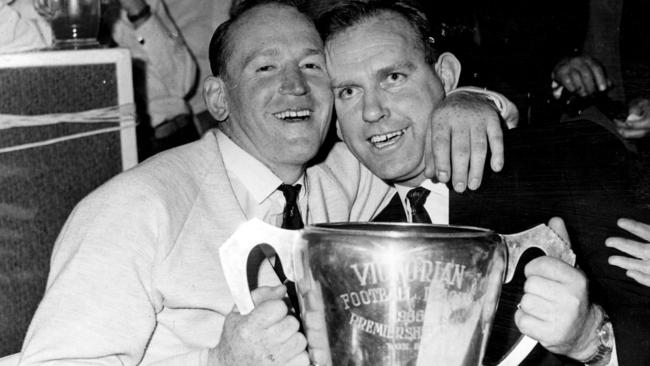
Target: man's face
{"x": 384, "y": 95}
{"x": 277, "y": 88}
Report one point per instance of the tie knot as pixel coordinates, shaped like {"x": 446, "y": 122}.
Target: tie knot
{"x": 418, "y": 196}
{"x": 290, "y": 192}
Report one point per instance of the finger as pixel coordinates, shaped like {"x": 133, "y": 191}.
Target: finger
{"x": 630, "y": 263}
{"x": 620, "y": 124}
{"x": 266, "y": 293}
{"x": 564, "y": 78}
{"x": 478, "y": 140}
{"x": 460, "y": 155}
{"x": 633, "y": 128}
{"x": 635, "y": 227}
{"x": 547, "y": 289}
{"x": 638, "y": 124}
{"x": 639, "y": 277}
{"x": 529, "y": 325}
{"x": 314, "y": 320}
{"x": 635, "y": 108}
{"x": 557, "y": 225}
{"x": 293, "y": 348}
{"x": 319, "y": 356}
{"x": 302, "y": 359}
{"x": 495, "y": 140}
{"x": 442, "y": 152}
{"x": 284, "y": 329}
{"x": 599, "y": 74}
{"x": 631, "y": 133}
{"x": 268, "y": 313}
{"x": 429, "y": 162}
{"x": 576, "y": 78}
{"x": 536, "y": 306}
{"x": 553, "y": 269}
{"x": 631, "y": 247}
{"x": 587, "y": 78}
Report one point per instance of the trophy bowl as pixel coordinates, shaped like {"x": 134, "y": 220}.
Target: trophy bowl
{"x": 390, "y": 294}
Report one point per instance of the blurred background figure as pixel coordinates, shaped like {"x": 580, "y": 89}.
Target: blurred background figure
{"x": 512, "y": 46}
{"x": 164, "y": 71}
{"x": 554, "y": 59}
{"x": 19, "y": 33}
{"x": 197, "y": 20}
{"x": 618, "y": 38}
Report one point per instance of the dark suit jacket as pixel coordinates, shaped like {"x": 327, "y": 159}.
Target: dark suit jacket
{"x": 582, "y": 173}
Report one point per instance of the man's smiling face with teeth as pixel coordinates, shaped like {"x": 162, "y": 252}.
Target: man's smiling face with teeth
{"x": 289, "y": 115}
{"x": 386, "y": 139}
{"x": 384, "y": 94}
{"x": 277, "y": 90}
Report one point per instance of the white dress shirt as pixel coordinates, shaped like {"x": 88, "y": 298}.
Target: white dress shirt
{"x": 437, "y": 203}
{"x": 255, "y": 186}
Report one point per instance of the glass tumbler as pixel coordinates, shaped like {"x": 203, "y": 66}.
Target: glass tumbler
{"x": 75, "y": 23}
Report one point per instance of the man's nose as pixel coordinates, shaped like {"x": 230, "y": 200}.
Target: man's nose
{"x": 293, "y": 81}
{"x": 374, "y": 107}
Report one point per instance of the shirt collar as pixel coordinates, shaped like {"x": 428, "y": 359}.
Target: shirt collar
{"x": 435, "y": 188}
{"x": 257, "y": 178}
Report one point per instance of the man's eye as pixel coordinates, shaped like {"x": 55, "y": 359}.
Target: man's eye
{"x": 396, "y": 77}
{"x": 312, "y": 66}
{"x": 265, "y": 68}
{"x": 346, "y": 93}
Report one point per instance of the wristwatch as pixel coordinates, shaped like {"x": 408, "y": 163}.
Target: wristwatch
{"x": 605, "y": 334}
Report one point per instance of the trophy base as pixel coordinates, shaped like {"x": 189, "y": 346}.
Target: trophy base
{"x": 75, "y": 44}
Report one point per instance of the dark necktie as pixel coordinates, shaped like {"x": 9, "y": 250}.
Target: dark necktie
{"x": 291, "y": 215}
{"x": 290, "y": 220}
{"x": 417, "y": 197}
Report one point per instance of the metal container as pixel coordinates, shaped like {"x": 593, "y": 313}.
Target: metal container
{"x": 392, "y": 294}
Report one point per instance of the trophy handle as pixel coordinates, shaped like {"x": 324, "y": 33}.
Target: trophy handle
{"x": 234, "y": 254}
{"x": 544, "y": 238}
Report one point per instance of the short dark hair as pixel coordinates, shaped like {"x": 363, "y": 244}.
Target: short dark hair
{"x": 348, "y": 14}
{"x": 221, "y": 47}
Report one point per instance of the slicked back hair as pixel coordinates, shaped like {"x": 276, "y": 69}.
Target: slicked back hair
{"x": 221, "y": 47}
{"x": 348, "y": 14}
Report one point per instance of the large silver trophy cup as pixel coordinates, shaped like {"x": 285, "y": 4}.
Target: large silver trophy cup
{"x": 375, "y": 294}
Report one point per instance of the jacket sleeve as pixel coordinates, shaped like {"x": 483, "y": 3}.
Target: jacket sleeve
{"x": 100, "y": 302}
{"x": 506, "y": 108}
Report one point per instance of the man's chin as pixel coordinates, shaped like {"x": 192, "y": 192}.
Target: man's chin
{"x": 402, "y": 177}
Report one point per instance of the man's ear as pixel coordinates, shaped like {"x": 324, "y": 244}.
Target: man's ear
{"x": 214, "y": 95}
{"x": 448, "y": 69}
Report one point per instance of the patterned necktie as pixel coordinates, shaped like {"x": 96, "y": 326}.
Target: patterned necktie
{"x": 290, "y": 220}
{"x": 417, "y": 197}
{"x": 291, "y": 215}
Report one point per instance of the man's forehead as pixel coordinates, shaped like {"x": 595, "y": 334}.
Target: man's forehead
{"x": 272, "y": 51}
{"x": 271, "y": 23}
{"x": 263, "y": 19}
{"x": 374, "y": 46}
{"x": 271, "y": 29}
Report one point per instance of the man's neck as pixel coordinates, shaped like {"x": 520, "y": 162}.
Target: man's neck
{"x": 413, "y": 182}
{"x": 288, "y": 173}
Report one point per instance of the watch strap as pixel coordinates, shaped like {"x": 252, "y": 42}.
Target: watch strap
{"x": 605, "y": 335}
